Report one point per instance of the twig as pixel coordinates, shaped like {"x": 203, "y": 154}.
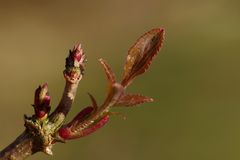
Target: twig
{"x": 43, "y": 129}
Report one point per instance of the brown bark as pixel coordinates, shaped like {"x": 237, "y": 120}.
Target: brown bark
{"x": 20, "y": 149}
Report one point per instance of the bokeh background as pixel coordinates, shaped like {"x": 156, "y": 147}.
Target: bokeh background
{"x": 195, "y": 80}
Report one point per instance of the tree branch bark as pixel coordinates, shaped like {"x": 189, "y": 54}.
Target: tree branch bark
{"x": 20, "y": 149}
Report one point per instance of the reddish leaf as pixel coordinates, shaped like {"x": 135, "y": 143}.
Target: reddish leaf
{"x": 80, "y": 117}
{"x": 68, "y": 133}
{"x": 87, "y": 122}
{"x": 115, "y": 93}
{"x": 132, "y": 100}
{"x": 141, "y": 54}
{"x": 110, "y": 75}
{"x": 95, "y": 126}
{"x": 64, "y": 133}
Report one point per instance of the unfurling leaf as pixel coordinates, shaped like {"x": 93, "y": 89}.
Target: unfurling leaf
{"x": 141, "y": 54}
{"x": 132, "y": 100}
{"x": 69, "y": 130}
{"x": 68, "y": 133}
{"x": 109, "y": 73}
{"x": 80, "y": 117}
{"x": 94, "y": 127}
{"x": 115, "y": 89}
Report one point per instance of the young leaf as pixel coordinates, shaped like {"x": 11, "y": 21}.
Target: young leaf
{"x": 110, "y": 75}
{"x": 132, "y": 100}
{"x": 141, "y": 54}
{"x": 99, "y": 124}
{"x": 80, "y": 117}
{"x": 68, "y": 133}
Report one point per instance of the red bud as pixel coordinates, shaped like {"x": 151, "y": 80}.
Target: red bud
{"x": 75, "y": 64}
{"x": 42, "y": 101}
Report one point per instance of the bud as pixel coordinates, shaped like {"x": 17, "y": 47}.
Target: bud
{"x": 42, "y": 101}
{"x": 77, "y": 53}
{"x": 75, "y": 64}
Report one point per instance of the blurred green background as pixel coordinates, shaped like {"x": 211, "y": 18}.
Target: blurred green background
{"x": 194, "y": 80}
